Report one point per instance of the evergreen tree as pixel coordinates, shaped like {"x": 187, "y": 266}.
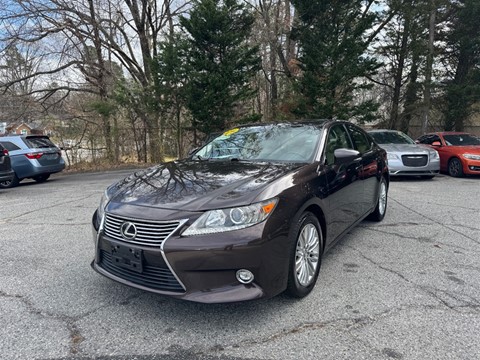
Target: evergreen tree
{"x": 221, "y": 63}
{"x": 463, "y": 90}
{"x": 332, "y": 37}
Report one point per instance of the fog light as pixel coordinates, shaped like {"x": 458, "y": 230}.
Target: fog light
{"x": 244, "y": 276}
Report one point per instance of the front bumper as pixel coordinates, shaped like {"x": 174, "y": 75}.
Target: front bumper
{"x": 202, "y": 268}
{"x": 471, "y": 167}
{"x": 397, "y": 168}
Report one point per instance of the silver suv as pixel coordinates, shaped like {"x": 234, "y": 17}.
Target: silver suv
{"x": 32, "y": 156}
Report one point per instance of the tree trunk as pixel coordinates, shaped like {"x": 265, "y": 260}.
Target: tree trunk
{"x": 394, "y": 121}
{"x": 410, "y": 95}
{"x": 428, "y": 70}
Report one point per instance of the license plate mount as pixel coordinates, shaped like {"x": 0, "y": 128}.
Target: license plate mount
{"x": 51, "y": 156}
{"x": 127, "y": 257}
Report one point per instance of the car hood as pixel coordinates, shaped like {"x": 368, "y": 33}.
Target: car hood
{"x": 197, "y": 185}
{"x": 406, "y": 148}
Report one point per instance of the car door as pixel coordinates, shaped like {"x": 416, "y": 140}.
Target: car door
{"x": 364, "y": 144}
{"x": 345, "y": 189}
{"x": 429, "y": 139}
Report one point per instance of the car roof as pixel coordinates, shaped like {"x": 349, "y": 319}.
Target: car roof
{"x": 309, "y": 122}
{"x": 452, "y": 133}
{"x": 383, "y": 130}
{"x": 23, "y": 136}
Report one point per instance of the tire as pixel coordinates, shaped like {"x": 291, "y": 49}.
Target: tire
{"x": 306, "y": 253}
{"x": 381, "y": 208}
{"x": 41, "y": 178}
{"x": 455, "y": 167}
{"x": 10, "y": 184}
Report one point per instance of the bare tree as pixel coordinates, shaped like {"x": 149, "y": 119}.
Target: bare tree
{"x": 123, "y": 32}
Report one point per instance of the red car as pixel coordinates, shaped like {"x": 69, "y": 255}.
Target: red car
{"x": 459, "y": 152}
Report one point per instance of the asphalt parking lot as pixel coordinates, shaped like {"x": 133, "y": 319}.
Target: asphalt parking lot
{"x": 405, "y": 288}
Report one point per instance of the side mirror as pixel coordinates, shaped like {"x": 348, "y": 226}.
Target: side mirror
{"x": 436, "y": 143}
{"x": 345, "y": 156}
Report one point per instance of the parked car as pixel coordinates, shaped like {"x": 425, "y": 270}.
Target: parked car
{"x": 249, "y": 215}
{"x": 32, "y": 156}
{"x": 405, "y": 157}
{"x": 459, "y": 152}
{"x": 6, "y": 172}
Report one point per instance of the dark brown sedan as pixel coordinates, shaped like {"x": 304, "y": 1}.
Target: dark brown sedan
{"x": 249, "y": 215}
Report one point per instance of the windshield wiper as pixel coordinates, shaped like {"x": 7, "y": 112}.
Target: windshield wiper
{"x": 200, "y": 158}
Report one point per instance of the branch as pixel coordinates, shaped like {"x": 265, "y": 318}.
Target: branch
{"x": 39, "y": 73}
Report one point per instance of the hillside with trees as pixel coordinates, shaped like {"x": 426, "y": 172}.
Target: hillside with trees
{"x": 148, "y": 80}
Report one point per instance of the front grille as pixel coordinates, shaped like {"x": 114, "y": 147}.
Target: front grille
{"x": 415, "y": 160}
{"x": 150, "y": 233}
{"x": 152, "y": 277}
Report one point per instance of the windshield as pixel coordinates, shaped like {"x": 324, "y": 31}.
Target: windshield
{"x": 461, "y": 140}
{"x": 271, "y": 143}
{"x": 391, "y": 137}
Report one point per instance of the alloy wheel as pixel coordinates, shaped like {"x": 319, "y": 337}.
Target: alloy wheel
{"x": 307, "y": 254}
{"x": 455, "y": 168}
{"x": 382, "y": 199}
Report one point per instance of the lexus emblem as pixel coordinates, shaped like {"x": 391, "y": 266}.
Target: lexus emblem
{"x": 128, "y": 230}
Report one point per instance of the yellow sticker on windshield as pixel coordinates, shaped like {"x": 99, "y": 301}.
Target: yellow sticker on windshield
{"x": 231, "y": 132}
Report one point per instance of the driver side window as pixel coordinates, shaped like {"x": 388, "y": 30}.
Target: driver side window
{"x": 429, "y": 139}
{"x": 337, "y": 138}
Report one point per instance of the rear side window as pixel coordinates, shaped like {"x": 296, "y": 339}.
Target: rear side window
{"x": 9, "y": 146}
{"x": 361, "y": 140}
{"x": 38, "y": 142}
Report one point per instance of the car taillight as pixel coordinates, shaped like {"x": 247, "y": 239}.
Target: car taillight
{"x": 5, "y": 152}
{"x": 32, "y": 156}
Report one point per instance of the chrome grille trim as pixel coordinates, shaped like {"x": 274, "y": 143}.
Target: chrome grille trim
{"x": 415, "y": 160}
{"x": 150, "y": 233}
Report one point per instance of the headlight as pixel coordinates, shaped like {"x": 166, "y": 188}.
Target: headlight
{"x": 103, "y": 203}
{"x": 434, "y": 155}
{"x": 391, "y": 156}
{"x": 471, "y": 156}
{"x": 216, "y": 221}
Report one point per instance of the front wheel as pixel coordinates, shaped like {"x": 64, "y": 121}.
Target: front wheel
{"x": 306, "y": 255}
{"x": 379, "y": 213}
{"x": 455, "y": 168}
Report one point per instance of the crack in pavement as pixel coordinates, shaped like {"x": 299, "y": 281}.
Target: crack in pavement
{"x": 402, "y": 236}
{"x": 48, "y": 223}
{"x": 436, "y": 222}
{"x": 75, "y": 335}
{"x": 452, "y": 206}
{"x": 344, "y": 323}
{"x": 7, "y": 220}
{"x": 428, "y": 290}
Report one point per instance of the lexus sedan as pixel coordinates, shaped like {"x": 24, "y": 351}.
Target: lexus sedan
{"x": 32, "y": 156}
{"x": 248, "y": 215}
{"x": 459, "y": 152}
{"x": 405, "y": 157}
{"x": 6, "y": 172}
